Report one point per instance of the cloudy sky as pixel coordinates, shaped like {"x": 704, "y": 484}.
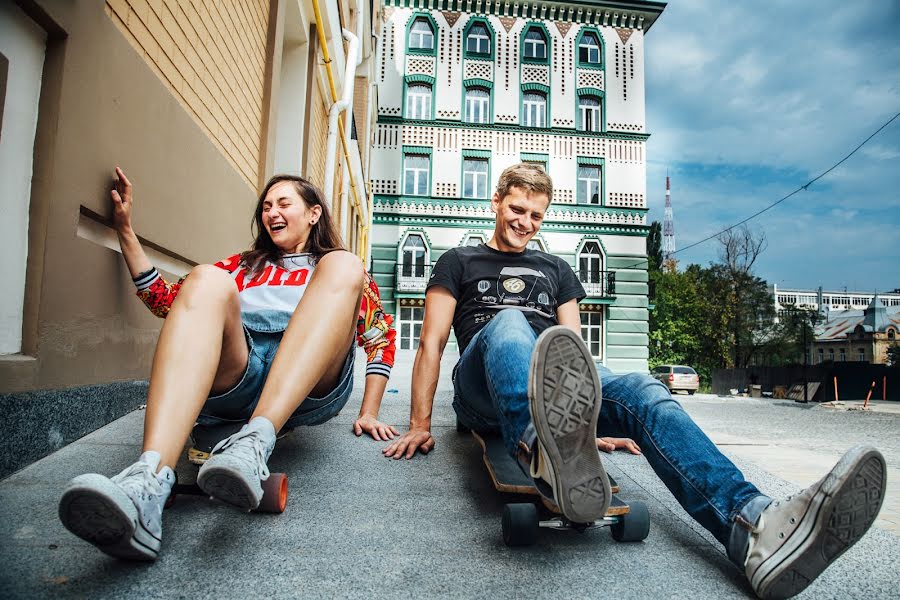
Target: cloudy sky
{"x": 746, "y": 101}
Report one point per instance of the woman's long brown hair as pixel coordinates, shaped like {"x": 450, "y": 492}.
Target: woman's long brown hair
{"x": 323, "y": 238}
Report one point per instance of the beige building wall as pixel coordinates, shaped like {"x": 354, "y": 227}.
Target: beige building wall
{"x": 212, "y": 57}
{"x": 178, "y": 95}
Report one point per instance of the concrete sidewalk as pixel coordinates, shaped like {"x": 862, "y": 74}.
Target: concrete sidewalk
{"x": 358, "y": 524}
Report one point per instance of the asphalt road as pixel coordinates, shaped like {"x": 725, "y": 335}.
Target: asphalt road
{"x": 358, "y": 524}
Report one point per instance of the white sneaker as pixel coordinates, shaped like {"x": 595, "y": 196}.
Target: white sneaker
{"x": 237, "y": 465}
{"x": 564, "y": 401}
{"x": 797, "y": 538}
{"x": 122, "y": 516}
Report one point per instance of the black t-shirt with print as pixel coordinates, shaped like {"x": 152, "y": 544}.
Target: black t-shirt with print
{"x": 484, "y": 280}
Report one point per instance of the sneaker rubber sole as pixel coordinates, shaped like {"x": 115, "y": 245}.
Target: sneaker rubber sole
{"x": 564, "y": 399}
{"x": 98, "y": 511}
{"x": 840, "y": 513}
{"x": 228, "y": 484}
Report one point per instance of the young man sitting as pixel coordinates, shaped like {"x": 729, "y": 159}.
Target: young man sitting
{"x": 524, "y": 370}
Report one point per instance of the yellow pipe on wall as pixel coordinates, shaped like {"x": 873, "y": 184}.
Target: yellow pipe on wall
{"x": 323, "y": 43}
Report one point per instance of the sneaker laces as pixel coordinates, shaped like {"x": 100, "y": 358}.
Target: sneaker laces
{"x": 136, "y": 478}
{"x": 251, "y": 441}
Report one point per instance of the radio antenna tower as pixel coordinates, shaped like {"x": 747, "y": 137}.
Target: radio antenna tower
{"x": 668, "y": 229}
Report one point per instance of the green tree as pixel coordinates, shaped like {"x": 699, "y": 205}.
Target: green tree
{"x": 654, "y": 247}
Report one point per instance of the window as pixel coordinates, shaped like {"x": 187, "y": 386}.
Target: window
{"x": 592, "y": 332}
{"x": 534, "y": 110}
{"x": 535, "y": 45}
{"x": 843, "y": 354}
{"x": 418, "y": 101}
{"x": 478, "y": 40}
{"x": 421, "y": 36}
{"x": 861, "y": 354}
{"x": 588, "y": 184}
{"x": 589, "y": 113}
{"x": 589, "y": 49}
{"x": 536, "y": 244}
{"x": 891, "y": 334}
{"x": 821, "y": 355}
{"x": 411, "y": 318}
{"x": 415, "y": 174}
{"x": 413, "y": 256}
{"x": 831, "y": 354}
{"x": 478, "y": 102}
{"x": 475, "y": 178}
{"x": 539, "y": 163}
{"x": 473, "y": 239}
{"x": 590, "y": 263}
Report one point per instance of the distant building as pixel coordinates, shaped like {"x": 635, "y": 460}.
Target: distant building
{"x": 466, "y": 89}
{"x": 857, "y": 335}
{"x": 828, "y": 301}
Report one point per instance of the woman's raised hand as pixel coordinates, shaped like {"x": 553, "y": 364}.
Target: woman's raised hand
{"x": 122, "y": 202}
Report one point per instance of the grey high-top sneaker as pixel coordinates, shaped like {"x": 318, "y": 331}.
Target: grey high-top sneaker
{"x": 797, "y": 538}
{"x": 237, "y": 465}
{"x": 121, "y": 515}
{"x": 564, "y": 400}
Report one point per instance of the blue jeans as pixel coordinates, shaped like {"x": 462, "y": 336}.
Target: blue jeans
{"x": 490, "y": 382}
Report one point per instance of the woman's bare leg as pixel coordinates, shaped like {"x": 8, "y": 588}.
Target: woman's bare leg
{"x": 201, "y": 348}
{"x": 315, "y": 343}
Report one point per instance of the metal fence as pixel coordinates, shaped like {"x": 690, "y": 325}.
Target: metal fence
{"x": 854, "y": 380}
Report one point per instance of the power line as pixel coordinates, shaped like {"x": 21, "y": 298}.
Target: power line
{"x": 802, "y": 188}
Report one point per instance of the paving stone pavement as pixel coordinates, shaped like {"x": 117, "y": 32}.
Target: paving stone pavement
{"x": 358, "y": 524}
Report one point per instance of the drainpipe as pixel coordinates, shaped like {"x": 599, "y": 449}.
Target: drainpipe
{"x": 334, "y": 113}
{"x": 350, "y": 84}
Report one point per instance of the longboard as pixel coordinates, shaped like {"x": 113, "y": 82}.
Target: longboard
{"x": 274, "y": 500}
{"x": 521, "y": 521}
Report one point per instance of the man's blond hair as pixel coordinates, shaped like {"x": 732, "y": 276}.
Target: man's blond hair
{"x": 527, "y": 177}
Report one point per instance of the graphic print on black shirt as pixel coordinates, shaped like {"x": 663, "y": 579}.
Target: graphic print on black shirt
{"x": 484, "y": 280}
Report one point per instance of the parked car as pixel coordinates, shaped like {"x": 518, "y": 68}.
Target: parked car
{"x": 677, "y": 377}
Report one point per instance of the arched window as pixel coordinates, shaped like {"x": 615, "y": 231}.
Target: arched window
{"x": 891, "y": 334}
{"x": 534, "y": 109}
{"x": 478, "y": 39}
{"x": 534, "y": 46}
{"x": 536, "y": 244}
{"x": 473, "y": 239}
{"x": 421, "y": 35}
{"x": 590, "y": 263}
{"x": 589, "y": 49}
{"x": 478, "y": 105}
{"x": 418, "y": 101}
{"x": 413, "y": 256}
{"x": 589, "y": 113}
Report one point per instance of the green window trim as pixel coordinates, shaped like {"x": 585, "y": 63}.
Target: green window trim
{"x": 411, "y": 80}
{"x": 534, "y": 156}
{"x": 482, "y": 83}
{"x": 434, "y": 38}
{"x": 589, "y": 65}
{"x": 547, "y": 42}
{"x": 537, "y": 87}
{"x": 588, "y": 160}
{"x": 480, "y": 155}
{"x": 592, "y": 161}
{"x": 588, "y": 91}
{"x": 418, "y": 150}
{"x": 419, "y": 79}
{"x": 491, "y": 33}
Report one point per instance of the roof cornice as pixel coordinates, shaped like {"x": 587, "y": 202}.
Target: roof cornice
{"x": 633, "y": 14}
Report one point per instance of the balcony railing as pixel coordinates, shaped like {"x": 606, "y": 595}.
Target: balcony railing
{"x": 412, "y": 278}
{"x": 598, "y": 284}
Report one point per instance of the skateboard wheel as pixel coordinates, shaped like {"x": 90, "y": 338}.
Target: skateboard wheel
{"x": 275, "y": 492}
{"x": 520, "y": 524}
{"x": 633, "y": 526}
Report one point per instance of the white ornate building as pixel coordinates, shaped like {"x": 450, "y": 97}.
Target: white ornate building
{"x": 469, "y": 87}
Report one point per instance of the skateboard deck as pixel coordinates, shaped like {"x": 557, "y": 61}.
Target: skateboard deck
{"x": 205, "y": 437}
{"x": 274, "y": 500}
{"x": 628, "y": 522}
